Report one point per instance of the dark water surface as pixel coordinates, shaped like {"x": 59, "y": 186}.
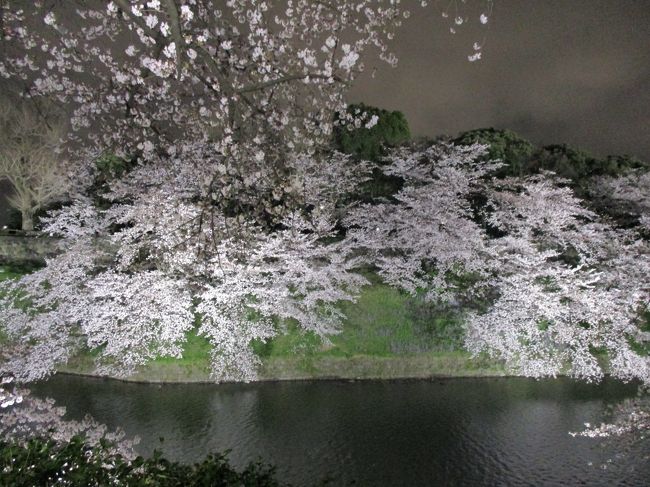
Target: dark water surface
{"x": 466, "y": 432}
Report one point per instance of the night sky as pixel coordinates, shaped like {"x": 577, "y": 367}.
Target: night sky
{"x": 571, "y": 71}
{"x": 554, "y": 71}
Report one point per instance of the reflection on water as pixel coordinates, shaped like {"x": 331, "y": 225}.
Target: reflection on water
{"x": 443, "y": 432}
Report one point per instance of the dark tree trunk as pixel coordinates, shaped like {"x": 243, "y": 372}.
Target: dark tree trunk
{"x": 28, "y": 220}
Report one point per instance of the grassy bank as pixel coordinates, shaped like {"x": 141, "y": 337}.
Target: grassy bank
{"x": 387, "y": 335}
{"x": 10, "y": 272}
{"x": 420, "y": 366}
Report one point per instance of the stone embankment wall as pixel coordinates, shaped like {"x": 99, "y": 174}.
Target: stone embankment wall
{"x": 26, "y": 248}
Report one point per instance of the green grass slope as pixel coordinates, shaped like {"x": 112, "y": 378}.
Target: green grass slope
{"x": 387, "y": 334}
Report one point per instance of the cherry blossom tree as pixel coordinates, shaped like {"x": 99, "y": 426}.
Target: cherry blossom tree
{"x": 227, "y": 108}
{"x": 571, "y": 288}
{"x": 252, "y": 79}
{"x": 134, "y": 275}
{"x": 246, "y": 80}
{"x": 562, "y": 291}
{"x": 630, "y": 191}
{"x": 428, "y": 234}
{"x": 24, "y": 417}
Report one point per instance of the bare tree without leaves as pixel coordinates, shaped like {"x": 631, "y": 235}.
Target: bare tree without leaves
{"x": 30, "y": 159}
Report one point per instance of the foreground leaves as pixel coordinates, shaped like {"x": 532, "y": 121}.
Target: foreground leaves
{"x": 74, "y": 463}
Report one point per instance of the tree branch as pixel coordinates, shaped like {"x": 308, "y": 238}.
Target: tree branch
{"x": 285, "y": 79}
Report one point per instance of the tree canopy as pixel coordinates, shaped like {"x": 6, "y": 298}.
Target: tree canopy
{"x": 370, "y": 141}
{"x": 207, "y": 198}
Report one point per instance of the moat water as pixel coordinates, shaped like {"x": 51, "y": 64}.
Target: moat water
{"x": 465, "y": 432}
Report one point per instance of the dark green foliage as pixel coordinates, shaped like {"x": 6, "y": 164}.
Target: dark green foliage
{"x": 262, "y": 348}
{"x": 481, "y": 210}
{"x": 18, "y": 269}
{"x": 548, "y": 284}
{"x": 580, "y": 168}
{"x": 372, "y": 145}
{"x": 291, "y": 341}
{"x": 379, "y": 186}
{"x": 110, "y": 166}
{"x": 391, "y": 130}
{"x": 618, "y": 165}
{"x": 567, "y": 162}
{"x": 643, "y": 323}
{"x": 506, "y": 146}
{"x": 523, "y": 158}
{"x": 45, "y": 463}
{"x": 442, "y": 325}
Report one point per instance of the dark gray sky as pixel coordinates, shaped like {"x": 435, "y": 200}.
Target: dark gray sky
{"x": 574, "y": 71}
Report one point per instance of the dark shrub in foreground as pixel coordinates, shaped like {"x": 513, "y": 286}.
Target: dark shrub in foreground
{"x": 46, "y": 463}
